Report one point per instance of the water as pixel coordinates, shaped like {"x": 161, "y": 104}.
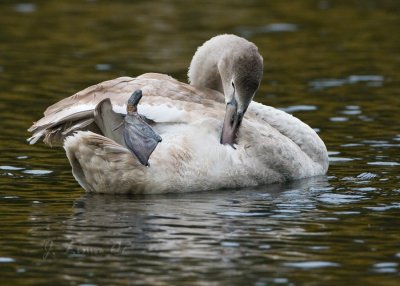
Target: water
{"x": 333, "y": 64}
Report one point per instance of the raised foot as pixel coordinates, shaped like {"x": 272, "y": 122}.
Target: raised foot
{"x": 138, "y": 136}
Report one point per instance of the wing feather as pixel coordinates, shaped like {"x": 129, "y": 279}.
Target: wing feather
{"x": 157, "y": 89}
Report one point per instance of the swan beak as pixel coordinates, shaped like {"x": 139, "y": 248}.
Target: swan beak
{"x": 232, "y": 123}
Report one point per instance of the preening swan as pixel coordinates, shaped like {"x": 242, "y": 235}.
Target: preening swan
{"x": 213, "y": 135}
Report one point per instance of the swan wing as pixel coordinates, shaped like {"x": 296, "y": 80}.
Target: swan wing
{"x": 293, "y": 129}
{"x": 165, "y": 99}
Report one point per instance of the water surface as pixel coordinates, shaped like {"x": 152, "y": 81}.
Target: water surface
{"x": 333, "y": 64}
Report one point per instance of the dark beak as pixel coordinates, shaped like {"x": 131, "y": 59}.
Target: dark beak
{"x": 232, "y": 123}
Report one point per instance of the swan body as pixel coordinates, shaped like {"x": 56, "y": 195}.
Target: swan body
{"x": 213, "y": 135}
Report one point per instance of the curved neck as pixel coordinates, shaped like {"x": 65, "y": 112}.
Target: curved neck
{"x": 204, "y": 71}
{"x": 230, "y": 65}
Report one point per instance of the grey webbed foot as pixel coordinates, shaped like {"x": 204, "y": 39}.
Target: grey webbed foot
{"x": 139, "y": 137}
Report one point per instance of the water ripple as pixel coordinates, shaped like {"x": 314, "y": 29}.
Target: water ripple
{"x": 241, "y": 214}
{"x": 270, "y": 28}
{"x": 383, "y": 208}
{"x": 365, "y": 189}
{"x": 385, "y": 267}
{"x": 371, "y": 80}
{"x": 103, "y": 67}
{"x": 339, "y": 159}
{"x": 297, "y": 108}
{"x": 366, "y": 176}
{"x": 11, "y": 168}
{"x": 338, "y": 119}
{"x": 25, "y": 8}
{"x": 337, "y": 199}
{"x": 37, "y": 172}
{"x": 6, "y": 260}
{"x": 311, "y": 264}
{"x": 379, "y": 163}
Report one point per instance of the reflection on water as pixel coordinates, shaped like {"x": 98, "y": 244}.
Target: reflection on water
{"x": 370, "y": 80}
{"x": 25, "y": 7}
{"x": 333, "y": 64}
{"x": 270, "y": 28}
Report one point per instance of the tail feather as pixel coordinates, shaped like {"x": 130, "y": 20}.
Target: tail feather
{"x": 101, "y": 165}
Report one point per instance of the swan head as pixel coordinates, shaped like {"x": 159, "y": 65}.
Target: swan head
{"x": 241, "y": 78}
{"x": 233, "y": 66}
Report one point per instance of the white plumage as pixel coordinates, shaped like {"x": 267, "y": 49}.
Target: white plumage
{"x": 271, "y": 145}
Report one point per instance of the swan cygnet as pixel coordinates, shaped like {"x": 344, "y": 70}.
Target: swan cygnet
{"x": 213, "y": 134}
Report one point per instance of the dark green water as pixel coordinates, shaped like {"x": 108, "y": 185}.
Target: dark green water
{"x": 333, "y": 64}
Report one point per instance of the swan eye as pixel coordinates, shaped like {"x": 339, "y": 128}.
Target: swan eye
{"x": 233, "y": 84}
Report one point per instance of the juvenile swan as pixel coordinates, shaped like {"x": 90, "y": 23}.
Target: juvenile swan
{"x": 213, "y": 135}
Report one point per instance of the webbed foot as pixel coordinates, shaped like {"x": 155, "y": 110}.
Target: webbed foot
{"x": 139, "y": 137}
